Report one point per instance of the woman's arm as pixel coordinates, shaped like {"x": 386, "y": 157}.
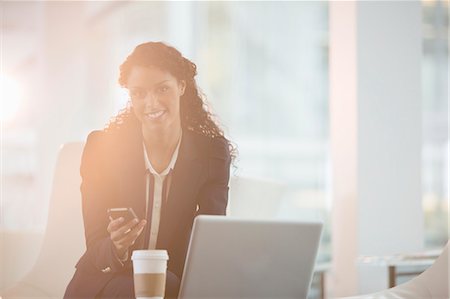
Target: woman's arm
{"x": 98, "y": 190}
{"x": 213, "y": 196}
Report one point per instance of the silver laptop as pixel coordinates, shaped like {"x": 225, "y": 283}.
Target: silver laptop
{"x": 236, "y": 258}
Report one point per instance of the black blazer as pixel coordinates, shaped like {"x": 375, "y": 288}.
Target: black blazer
{"x": 113, "y": 175}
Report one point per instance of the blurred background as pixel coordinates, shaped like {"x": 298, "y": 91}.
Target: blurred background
{"x": 264, "y": 67}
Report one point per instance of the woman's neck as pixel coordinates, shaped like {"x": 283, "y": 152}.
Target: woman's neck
{"x": 162, "y": 141}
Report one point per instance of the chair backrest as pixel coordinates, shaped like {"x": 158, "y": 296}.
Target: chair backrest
{"x": 437, "y": 277}
{"x": 64, "y": 236}
{"x": 254, "y": 198}
{"x": 433, "y": 283}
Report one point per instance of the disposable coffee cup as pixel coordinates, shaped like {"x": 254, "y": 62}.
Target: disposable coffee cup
{"x": 149, "y": 268}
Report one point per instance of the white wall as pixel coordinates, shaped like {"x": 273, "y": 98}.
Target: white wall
{"x": 375, "y": 110}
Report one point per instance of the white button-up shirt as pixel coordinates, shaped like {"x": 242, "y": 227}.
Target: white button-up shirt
{"x": 158, "y": 195}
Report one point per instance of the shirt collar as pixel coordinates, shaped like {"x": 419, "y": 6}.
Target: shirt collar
{"x": 171, "y": 165}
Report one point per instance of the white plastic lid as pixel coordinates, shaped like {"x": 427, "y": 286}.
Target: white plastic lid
{"x": 150, "y": 254}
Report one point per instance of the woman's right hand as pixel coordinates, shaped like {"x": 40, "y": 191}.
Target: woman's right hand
{"x": 124, "y": 235}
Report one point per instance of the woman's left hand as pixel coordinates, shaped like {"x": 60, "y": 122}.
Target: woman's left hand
{"x": 124, "y": 235}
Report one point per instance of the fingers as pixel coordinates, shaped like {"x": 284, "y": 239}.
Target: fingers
{"x": 128, "y": 239}
{"x": 124, "y": 235}
{"x": 115, "y": 224}
{"x": 120, "y": 232}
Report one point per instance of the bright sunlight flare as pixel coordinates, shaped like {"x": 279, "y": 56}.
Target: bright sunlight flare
{"x": 10, "y": 97}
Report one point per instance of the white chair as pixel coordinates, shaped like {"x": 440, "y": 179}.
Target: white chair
{"x": 254, "y": 198}
{"x": 433, "y": 283}
{"x": 19, "y": 250}
{"x": 63, "y": 242}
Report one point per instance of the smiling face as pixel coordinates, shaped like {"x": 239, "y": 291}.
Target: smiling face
{"x": 155, "y": 96}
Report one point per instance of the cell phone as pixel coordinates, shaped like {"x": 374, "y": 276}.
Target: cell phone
{"x": 127, "y": 213}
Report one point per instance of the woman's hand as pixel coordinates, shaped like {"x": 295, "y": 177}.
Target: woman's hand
{"x": 124, "y": 235}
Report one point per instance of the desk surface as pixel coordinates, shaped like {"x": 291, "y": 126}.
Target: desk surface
{"x": 426, "y": 258}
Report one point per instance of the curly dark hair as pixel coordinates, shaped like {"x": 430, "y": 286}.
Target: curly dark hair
{"x": 194, "y": 112}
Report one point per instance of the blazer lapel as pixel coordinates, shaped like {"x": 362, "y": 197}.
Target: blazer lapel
{"x": 132, "y": 174}
{"x": 187, "y": 174}
{"x": 186, "y": 180}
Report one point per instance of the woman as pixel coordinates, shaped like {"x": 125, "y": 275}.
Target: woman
{"x": 163, "y": 156}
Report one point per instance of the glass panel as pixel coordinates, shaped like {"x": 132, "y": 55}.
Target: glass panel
{"x": 435, "y": 161}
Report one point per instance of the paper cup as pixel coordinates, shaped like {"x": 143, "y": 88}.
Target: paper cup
{"x": 149, "y": 268}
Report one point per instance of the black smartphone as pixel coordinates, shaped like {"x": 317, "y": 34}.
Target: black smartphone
{"x": 127, "y": 213}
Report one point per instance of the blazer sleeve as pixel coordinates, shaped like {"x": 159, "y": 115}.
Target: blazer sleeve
{"x": 97, "y": 189}
{"x": 213, "y": 195}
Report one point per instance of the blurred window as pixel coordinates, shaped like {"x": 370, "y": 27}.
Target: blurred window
{"x": 266, "y": 68}
{"x": 435, "y": 160}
